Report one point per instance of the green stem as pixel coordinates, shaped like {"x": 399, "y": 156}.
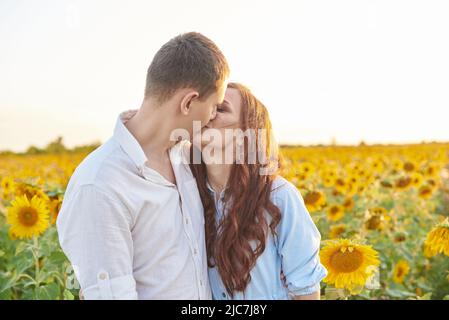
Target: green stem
{"x": 36, "y": 259}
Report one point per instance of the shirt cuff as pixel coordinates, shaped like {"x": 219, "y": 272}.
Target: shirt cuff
{"x": 118, "y": 288}
{"x": 307, "y": 290}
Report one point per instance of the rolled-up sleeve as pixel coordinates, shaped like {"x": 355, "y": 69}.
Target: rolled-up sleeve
{"x": 298, "y": 243}
{"x": 94, "y": 232}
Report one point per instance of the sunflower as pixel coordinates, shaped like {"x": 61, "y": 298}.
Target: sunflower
{"x": 348, "y": 204}
{"x": 12, "y": 235}
{"x": 386, "y": 184}
{"x": 28, "y": 190}
{"x": 352, "y": 186}
{"x": 336, "y": 231}
{"x": 409, "y": 166}
{"x": 306, "y": 168}
{"x": 400, "y": 271}
{"x": 28, "y": 218}
{"x": 54, "y": 205}
{"x": 437, "y": 240}
{"x": 417, "y": 179}
{"x": 397, "y": 165}
{"x": 403, "y": 183}
{"x": 377, "y": 166}
{"x": 350, "y": 264}
{"x": 7, "y": 184}
{"x": 328, "y": 178}
{"x": 314, "y": 200}
{"x": 340, "y": 185}
{"x": 378, "y": 219}
{"x": 428, "y": 251}
{"x": 426, "y": 192}
{"x": 431, "y": 170}
{"x": 335, "y": 212}
{"x": 400, "y": 237}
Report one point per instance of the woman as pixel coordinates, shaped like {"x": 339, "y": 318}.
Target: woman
{"x": 260, "y": 239}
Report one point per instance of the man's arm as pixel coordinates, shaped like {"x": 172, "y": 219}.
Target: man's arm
{"x": 95, "y": 234}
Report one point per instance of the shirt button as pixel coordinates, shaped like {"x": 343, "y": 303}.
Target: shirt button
{"x": 201, "y": 282}
{"x": 194, "y": 251}
{"x": 102, "y": 276}
{"x": 224, "y": 295}
{"x": 187, "y": 221}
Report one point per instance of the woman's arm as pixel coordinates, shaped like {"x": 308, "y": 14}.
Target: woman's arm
{"x": 298, "y": 245}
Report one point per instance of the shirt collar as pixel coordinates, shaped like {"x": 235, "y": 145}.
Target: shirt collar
{"x": 213, "y": 191}
{"x": 127, "y": 141}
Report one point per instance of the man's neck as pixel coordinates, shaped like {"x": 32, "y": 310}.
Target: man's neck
{"x": 152, "y": 130}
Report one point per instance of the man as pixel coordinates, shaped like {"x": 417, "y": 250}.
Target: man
{"x": 127, "y": 223}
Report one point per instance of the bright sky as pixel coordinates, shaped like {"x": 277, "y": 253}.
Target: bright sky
{"x": 353, "y": 70}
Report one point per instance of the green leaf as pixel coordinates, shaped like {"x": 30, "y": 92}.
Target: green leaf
{"x": 45, "y": 249}
{"x": 23, "y": 264}
{"x": 47, "y": 292}
{"x": 396, "y": 293}
{"x": 6, "y": 294}
{"x": 22, "y": 246}
{"x": 10, "y": 280}
{"x": 426, "y": 296}
{"x": 68, "y": 295}
{"x": 57, "y": 258}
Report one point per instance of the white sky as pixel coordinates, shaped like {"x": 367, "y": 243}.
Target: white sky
{"x": 353, "y": 70}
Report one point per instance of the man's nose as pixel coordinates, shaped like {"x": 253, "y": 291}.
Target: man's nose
{"x": 210, "y": 124}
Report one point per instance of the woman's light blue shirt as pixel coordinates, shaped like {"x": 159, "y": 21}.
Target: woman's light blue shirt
{"x": 295, "y": 251}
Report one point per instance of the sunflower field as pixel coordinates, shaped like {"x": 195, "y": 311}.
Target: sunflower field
{"x": 382, "y": 212}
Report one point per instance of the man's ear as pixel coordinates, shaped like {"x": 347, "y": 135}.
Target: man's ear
{"x": 187, "y": 100}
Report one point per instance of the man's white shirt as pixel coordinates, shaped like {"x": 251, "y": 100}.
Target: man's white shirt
{"x": 128, "y": 232}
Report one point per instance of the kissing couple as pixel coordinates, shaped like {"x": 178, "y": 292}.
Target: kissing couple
{"x": 165, "y": 209}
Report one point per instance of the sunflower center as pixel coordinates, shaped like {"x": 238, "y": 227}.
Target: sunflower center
{"x": 28, "y": 216}
{"x": 400, "y": 272}
{"x": 408, "y": 166}
{"x": 312, "y": 197}
{"x": 346, "y": 261}
{"x": 373, "y": 222}
{"x": 403, "y": 182}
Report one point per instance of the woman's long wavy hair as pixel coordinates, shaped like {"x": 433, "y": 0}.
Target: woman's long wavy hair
{"x": 234, "y": 244}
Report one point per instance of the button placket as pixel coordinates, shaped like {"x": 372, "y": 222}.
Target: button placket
{"x": 188, "y": 229}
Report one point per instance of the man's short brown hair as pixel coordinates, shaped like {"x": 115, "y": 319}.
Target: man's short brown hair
{"x": 189, "y": 60}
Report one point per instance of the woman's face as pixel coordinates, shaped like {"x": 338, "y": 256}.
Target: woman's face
{"x": 228, "y": 116}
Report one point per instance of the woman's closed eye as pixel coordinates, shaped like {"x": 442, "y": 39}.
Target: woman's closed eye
{"x": 223, "y": 107}
{"x": 220, "y": 109}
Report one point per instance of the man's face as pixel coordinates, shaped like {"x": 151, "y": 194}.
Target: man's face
{"x": 206, "y": 110}
{"x": 228, "y": 117}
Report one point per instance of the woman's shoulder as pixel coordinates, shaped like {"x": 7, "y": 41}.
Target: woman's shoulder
{"x": 282, "y": 189}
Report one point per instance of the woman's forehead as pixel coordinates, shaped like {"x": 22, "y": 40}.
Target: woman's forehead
{"x": 232, "y": 97}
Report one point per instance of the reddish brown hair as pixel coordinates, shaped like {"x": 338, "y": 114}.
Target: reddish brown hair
{"x": 234, "y": 246}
